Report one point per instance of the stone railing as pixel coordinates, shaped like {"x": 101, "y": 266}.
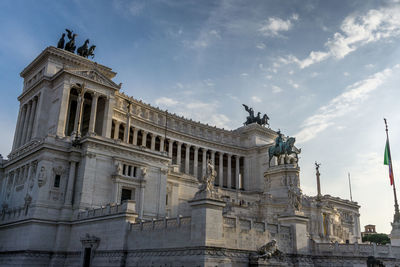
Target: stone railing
{"x": 175, "y": 122}
{"x": 128, "y": 206}
{"x": 166, "y": 223}
{"x": 355, "y": 249}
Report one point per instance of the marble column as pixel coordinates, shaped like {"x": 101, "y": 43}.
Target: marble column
{"x": 93, "y": 111}
{"x": 128, "y": 124}
{"x": 204, "y": 163}
{"x": 76, "y": 131}
{"x": 26, "y": 122}
{"x": 162, "y": 140}
{"x": 116, "y": 129}
{"x": 221, "y": 169}
{"x": 170, "y": 147}
{"x": 71, "y": 183}
{"x": 31, "y": 119}
{"x": 178, "y": 156}
{"x": 196, "y": 162}
{"x": 229, "y": 171}
{"x": 213, "y": 158}
{"x": 135, "y": 133}
{"x": 108, "y": 113}
{"x": 237, "y": 169}
{"x": 144, "y": 138}
{"x": 20, "y": 122}
{"x": 187, "y": 159}
{"x": 39, "y": 104}
{"x": 246, "y": 173}
{"x": 153, "y": 142}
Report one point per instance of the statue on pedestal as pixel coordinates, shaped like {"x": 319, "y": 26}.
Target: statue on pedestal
{"x": 206, "y": 189}
{"x": 284, "y": 147}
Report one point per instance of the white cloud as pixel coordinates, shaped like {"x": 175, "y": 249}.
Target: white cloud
{"x": 346, "y": 73}
{"x": 165, "y": 101}
{"x": 369, "y": 66}
{"x": 357, "y": 31}
{"x": 292, "y": 83}
{"x": 342, "y": 104}
{"x": 244, "y": 74}
{"x": 256, "y": 99}
{"x": 204, "y": 39}
{"x": 276, "y": 89}
{"x": 260, "y": 46}
{"x": 209, "y": 82}
{"x": 273, "y": 26}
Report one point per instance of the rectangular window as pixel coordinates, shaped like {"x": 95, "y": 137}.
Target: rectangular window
{"x": 57, "y": 181}
{"x": 126, "y": 194}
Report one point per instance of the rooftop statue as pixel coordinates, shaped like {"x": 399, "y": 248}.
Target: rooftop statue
{"x": 61, "y": 42}
{"x": 255, "y": 119}
{"x": 284, "y": 146}
{"x": 70, "y": 46}
{"x": 83, "y": 51}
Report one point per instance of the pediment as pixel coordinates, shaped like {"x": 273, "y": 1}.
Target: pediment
{"x": 95, "y": 76}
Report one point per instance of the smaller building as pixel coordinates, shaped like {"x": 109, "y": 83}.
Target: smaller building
{"x": 368, "y": 230}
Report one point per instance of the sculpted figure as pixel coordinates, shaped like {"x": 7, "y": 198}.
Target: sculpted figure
{"x": 294, "y": 196}
{"x": 268, "y": 251}
{"x": 118, "y": 168}
{"x": 207, "y": 182}
{"x": 284, "y": 148}
{"x": 42, "y": 176}
{"x": 144, "y": 172}
{"x": 250, "y": 118}
{"x": 70, "y": 46}
{"x": 91, "y": 51}
{"x": 83, "y": 50}
{"x": 61, "y": 42}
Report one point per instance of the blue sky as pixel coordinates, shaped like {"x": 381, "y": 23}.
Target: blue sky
{"x": 326, "y": 72}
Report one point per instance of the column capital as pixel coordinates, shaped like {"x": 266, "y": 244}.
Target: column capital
{"x": 95, "y": 94}
{"x": 213, "y": 152}
{"x": 196, "y": 148}
{"x": 187, "y": 145}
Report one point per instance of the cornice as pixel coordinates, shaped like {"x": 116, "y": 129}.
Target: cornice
{"x": 70, "y": 57}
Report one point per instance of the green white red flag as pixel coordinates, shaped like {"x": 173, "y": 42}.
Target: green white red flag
{"x": 388, "y": 161}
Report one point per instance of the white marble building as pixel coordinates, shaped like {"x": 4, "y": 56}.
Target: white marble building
{"x": 98, "y": 178}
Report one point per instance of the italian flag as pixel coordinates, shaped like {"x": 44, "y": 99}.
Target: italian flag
{"x": 388, "y": 161}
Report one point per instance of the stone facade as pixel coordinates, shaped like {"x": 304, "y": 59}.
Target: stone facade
{"x": 98, "y": 178}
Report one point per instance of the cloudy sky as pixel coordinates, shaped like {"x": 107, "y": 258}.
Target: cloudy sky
{"x": 326, "y": 72}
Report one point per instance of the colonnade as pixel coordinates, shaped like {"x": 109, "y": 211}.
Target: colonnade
{"x": 27, "y": 120}
{"x": 86, "y": 112}
{"x": 191, "y": 159}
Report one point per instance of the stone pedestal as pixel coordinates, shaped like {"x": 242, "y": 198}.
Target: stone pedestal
{"x": 207, "y": 221}
{"x": 279, "y": 178}
{"x": 395, "y": 234}
{"x": 298, "y": 224}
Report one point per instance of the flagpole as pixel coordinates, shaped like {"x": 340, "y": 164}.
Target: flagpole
{"x": 396, "y": 205}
